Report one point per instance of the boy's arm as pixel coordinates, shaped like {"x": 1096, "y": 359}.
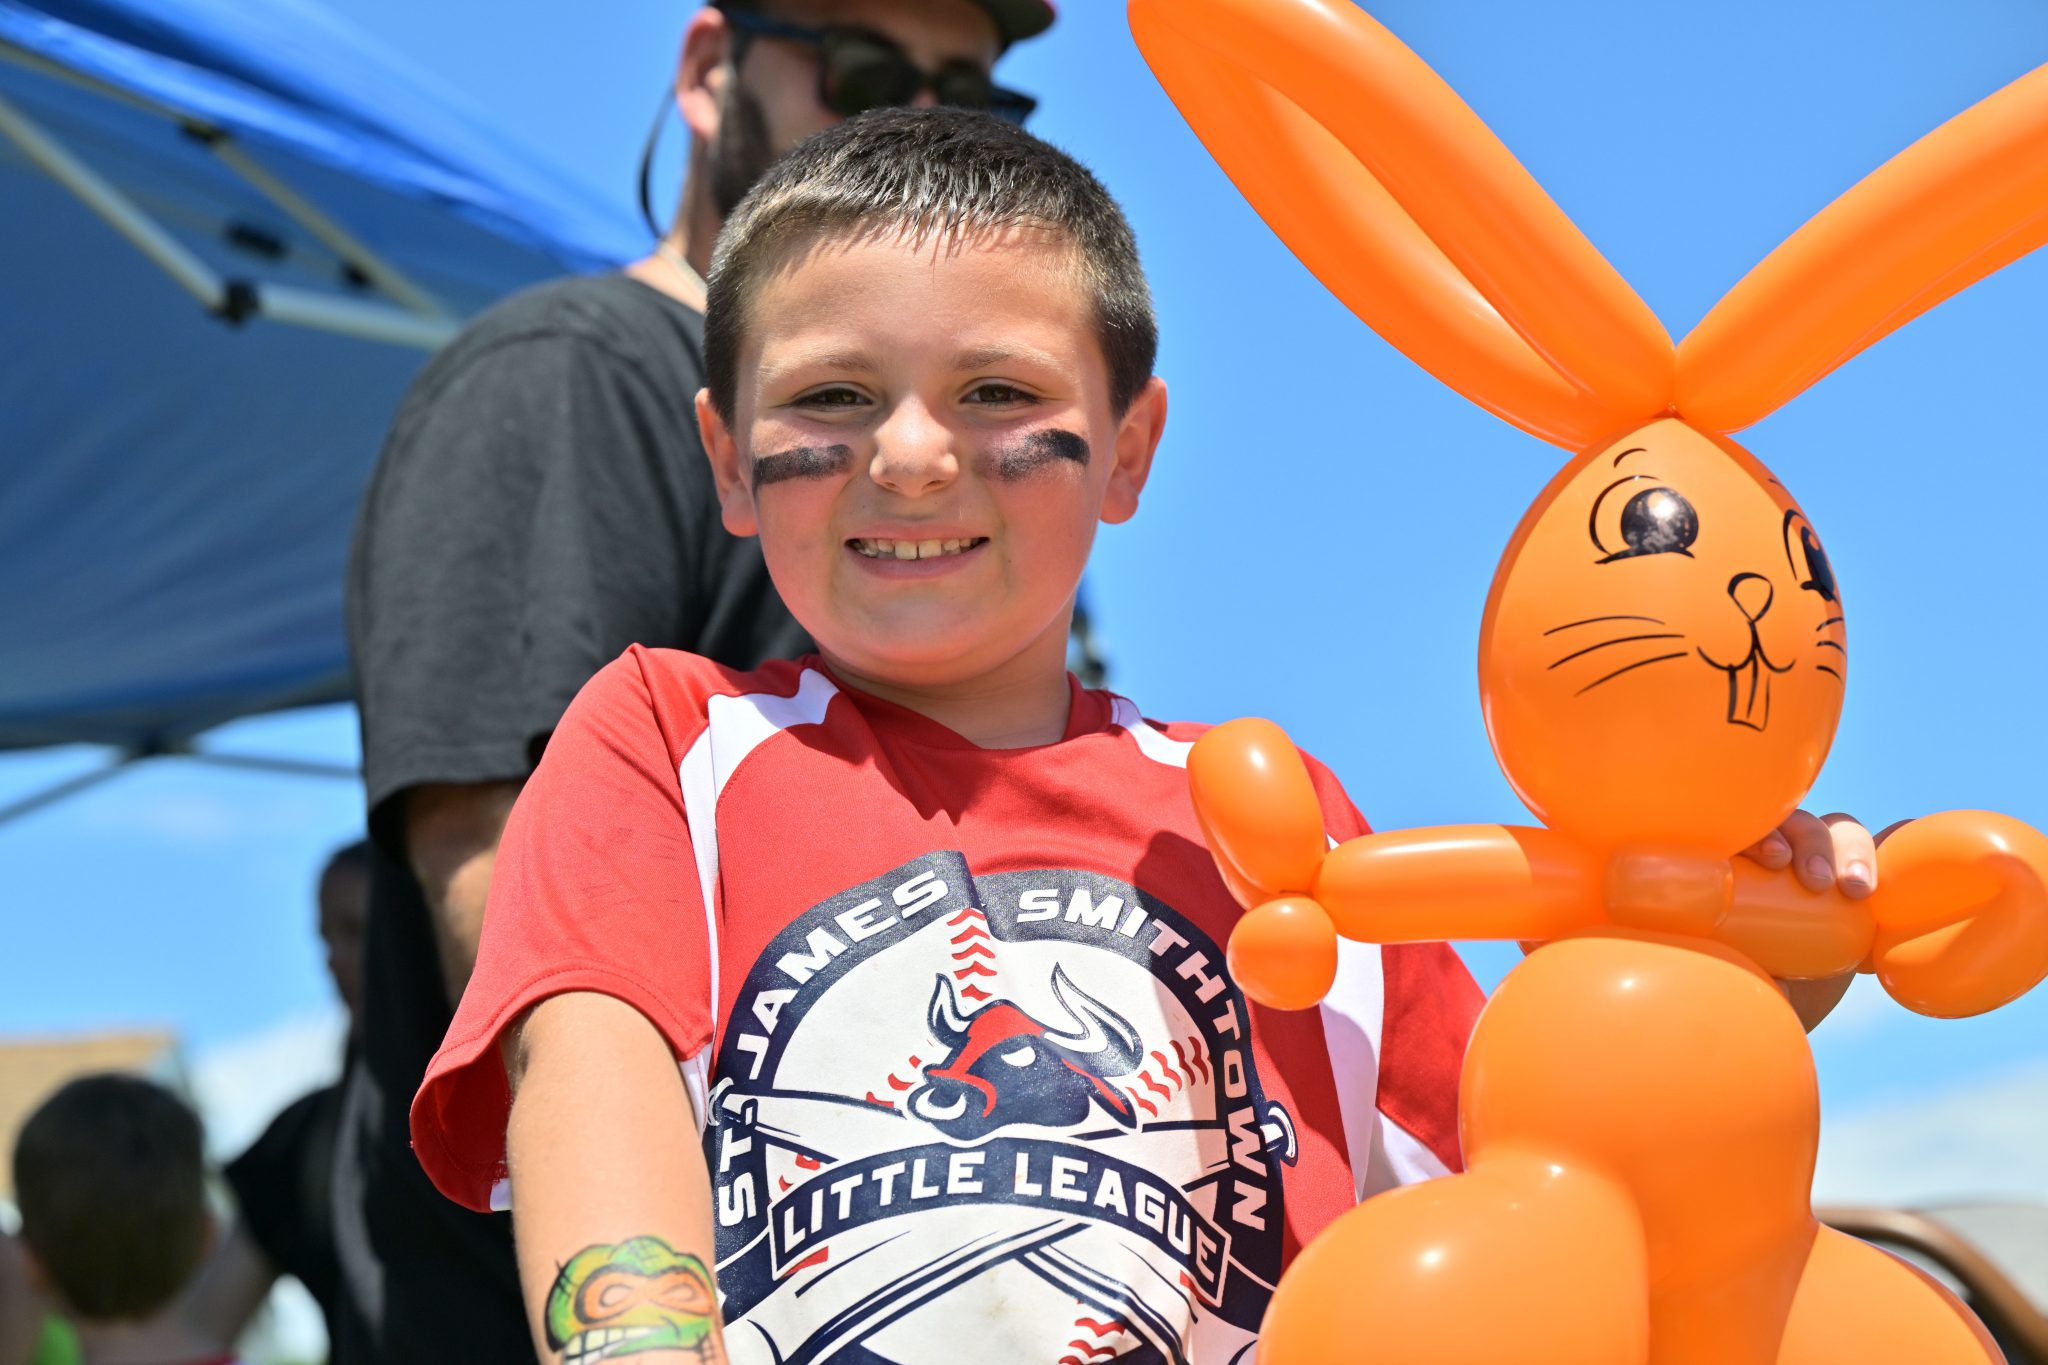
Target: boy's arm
{"x": 611, "y": 1198}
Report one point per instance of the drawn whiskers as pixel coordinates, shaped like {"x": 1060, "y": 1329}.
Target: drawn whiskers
{"x": 1840, "y": 649}
{"x": 1648, "y": 639}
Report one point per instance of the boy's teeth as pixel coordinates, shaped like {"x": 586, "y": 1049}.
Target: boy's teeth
{"x": 913, "y": 549}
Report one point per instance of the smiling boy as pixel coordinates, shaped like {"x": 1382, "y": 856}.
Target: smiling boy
{"x": 919, "y": 935}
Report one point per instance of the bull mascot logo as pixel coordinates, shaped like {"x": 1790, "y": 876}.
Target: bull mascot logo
{"x": 1005, "y": 1067}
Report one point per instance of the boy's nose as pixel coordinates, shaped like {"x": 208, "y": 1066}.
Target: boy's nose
{"x": 913, "y": 453}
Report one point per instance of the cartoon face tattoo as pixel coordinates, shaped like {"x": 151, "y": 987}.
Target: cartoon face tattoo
{"x": 802, "y": 462}
{"x": 1037, "y": 450}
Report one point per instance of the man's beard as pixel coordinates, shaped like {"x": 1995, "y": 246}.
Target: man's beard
{"x": 741, "y": 153}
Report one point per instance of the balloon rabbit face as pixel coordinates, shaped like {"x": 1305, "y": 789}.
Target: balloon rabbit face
{"x": 1663, "y": 652}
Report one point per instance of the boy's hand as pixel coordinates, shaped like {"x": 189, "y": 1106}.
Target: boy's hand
{"x": 1823, "y": 851}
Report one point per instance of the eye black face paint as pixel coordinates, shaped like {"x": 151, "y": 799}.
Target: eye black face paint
{"x": 804, "y": 462}
{"x": 1036, "y": 451}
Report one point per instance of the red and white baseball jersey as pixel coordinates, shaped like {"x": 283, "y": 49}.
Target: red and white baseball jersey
{"x": 970, "y": 1072}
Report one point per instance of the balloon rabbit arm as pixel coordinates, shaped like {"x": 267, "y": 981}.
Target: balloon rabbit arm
{"x": 1257, "y": 809}
{"x": 1791, "y": 932}
{"x": 1961, "y": 911}
{"x": 1460, "y": 882}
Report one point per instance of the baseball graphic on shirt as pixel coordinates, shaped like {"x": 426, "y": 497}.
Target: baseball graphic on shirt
{"x": 1015, "y": 1114}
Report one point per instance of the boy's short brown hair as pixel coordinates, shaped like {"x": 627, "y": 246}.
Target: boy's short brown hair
{"x": 110, "y": 1177}
{"x": 925, "y": 172}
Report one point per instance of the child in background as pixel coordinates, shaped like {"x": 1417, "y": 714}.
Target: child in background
{"x": 110, "y": 1177}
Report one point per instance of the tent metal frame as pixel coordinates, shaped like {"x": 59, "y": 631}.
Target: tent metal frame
{"x": 122, "y": 762}
{"x": 406, "y": 316}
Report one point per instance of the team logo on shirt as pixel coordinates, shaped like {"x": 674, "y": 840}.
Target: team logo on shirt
{"x": 1015, "y": 1113}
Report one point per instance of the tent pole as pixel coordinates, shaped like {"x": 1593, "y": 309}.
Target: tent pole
{"x": 70, "y": 786}
{"x": 387, "y": 278}
{"x": 119, "y": 212}
{"x": 336, "y": 238}
{"x": 86, "y": 781}
{"x": 284, "y": 767}
{"x": 350, "y": 317}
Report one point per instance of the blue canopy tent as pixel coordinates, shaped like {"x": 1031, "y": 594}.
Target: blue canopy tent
{"x": 229, "y": 234}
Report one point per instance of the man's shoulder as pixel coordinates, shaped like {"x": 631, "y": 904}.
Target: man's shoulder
{"x": 597, "y": 307}
{"x": 607, "y": 320}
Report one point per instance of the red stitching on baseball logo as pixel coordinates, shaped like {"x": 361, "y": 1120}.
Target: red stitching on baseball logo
{"x": 815, "y": 1258}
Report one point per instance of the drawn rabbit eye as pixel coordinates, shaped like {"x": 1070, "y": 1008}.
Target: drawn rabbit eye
{"x": 1820, "y": 575}
{"x": 1804, "y": 550}
{"x": 1654, "y": 521}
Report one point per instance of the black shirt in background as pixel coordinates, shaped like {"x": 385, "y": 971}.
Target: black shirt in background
{"x": 283, "y": 1187}
{"x": 542, "y": 502}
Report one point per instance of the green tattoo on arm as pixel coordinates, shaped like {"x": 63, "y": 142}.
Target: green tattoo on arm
{"x": 640, "y": 1295}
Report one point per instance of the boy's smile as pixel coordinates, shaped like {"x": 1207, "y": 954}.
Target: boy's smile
{"x": 923, "y": 438}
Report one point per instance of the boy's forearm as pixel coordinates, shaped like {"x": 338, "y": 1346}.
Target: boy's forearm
{"x": 611, "y": 1199}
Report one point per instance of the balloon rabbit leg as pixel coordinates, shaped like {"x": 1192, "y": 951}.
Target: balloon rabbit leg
{"x": 1858, "y": 1303}
{"x": 1522, "y": 1261}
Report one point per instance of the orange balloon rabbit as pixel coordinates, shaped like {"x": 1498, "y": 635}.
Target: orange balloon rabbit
{"x": 1662, "y": 661}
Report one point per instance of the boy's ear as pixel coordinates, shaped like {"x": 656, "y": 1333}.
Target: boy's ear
{"x": 1137, "y": 439}
{"x": 728, "y": 469}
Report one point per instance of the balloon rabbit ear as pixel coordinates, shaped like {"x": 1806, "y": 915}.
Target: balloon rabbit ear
{"x": 1966, "y": 199}
{"x": 1407, "y": 207}
{"x": 1258, "y": 810}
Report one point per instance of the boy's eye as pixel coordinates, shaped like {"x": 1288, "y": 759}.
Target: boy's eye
{"x": 993, "y": 391}
{"x": 838, "y": 396}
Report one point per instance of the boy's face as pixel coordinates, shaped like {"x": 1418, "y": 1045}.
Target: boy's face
{"x": 924, "y": 442}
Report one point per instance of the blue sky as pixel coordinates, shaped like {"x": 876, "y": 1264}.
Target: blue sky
{"x": 1319, "y": 536}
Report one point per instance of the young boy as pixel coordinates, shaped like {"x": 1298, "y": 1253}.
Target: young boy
{"x": 109, "y": 1174}
{"x": 919, "y": 935}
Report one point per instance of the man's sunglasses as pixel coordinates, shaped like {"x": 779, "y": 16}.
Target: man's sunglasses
{"x": 859, "y": 70}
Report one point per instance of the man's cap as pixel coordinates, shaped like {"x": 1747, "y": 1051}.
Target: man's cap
{"x": 1018, "y": 19}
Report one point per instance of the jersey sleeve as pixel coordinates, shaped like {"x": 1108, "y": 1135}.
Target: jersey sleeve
{"x": 595, "y": 889}
{"x": 524, "y": 525}
{"x": 1408, "y": 1022}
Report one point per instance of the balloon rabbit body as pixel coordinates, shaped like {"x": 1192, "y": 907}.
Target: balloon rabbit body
{"x": 1662, "y": 661}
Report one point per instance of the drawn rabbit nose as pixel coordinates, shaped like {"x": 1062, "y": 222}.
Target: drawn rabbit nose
{"x": 1752, "y": 593}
